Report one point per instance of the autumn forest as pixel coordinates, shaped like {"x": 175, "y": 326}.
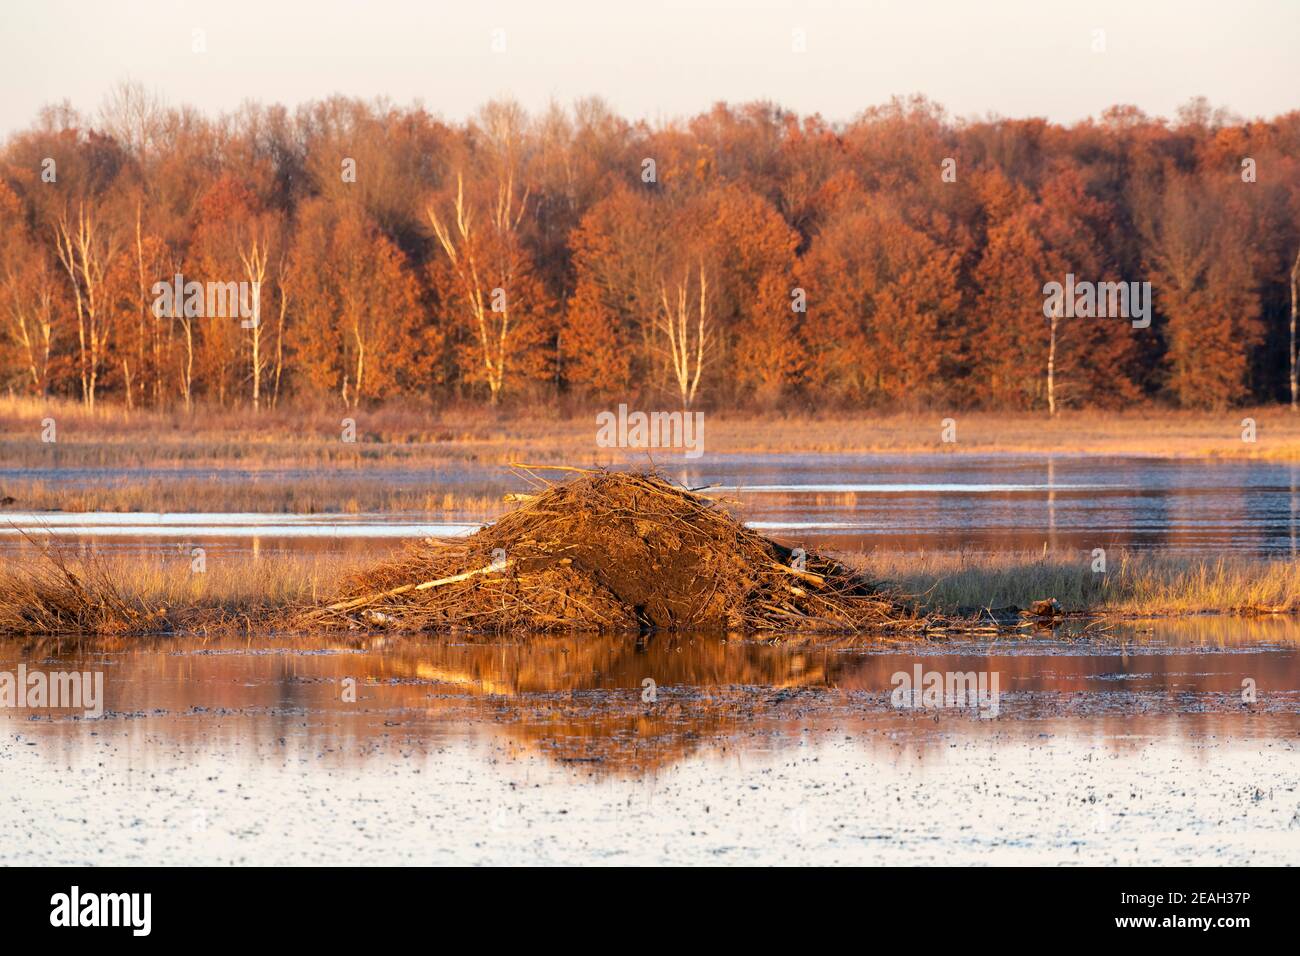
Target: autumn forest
{"x": 743, "y": 258}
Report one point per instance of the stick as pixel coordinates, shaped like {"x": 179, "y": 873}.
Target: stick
{"x": 581, "y": 471}
{"x": 462, "y": 577}
{"x": 357, "y": 602}
{"x": 815, "y": 578}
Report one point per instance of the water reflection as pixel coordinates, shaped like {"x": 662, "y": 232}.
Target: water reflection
{"x": 627, "y": 705}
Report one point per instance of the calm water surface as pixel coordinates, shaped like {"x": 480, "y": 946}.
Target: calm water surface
{"x": 1138, "y": 748}
{"x": 847, "y": 502}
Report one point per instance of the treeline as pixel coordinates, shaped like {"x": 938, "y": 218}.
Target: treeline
{"x": 747, "y": 257}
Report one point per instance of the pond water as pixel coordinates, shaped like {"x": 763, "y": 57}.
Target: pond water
{"x": 975, "y": 503}
{"x": 1167, "y": 742}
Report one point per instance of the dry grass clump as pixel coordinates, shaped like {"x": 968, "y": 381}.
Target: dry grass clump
{"x": 1133, "y": 584}
{"x": 612, "y": 552}
{"x": 56, "y": 596}
{"x": 59, "y": 589}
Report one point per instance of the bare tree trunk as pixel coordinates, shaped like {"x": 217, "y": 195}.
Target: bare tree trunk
{"x": 86, "y": 261}
{"x": 1051, "y": 368}
{"x": 141, "y": 317}
{"x": 676, "y": 327}
{"x": 24, "y": 337}
{"x": 279, "y": 339}
{"x": 155, "y": 341}
{"x": 257, "y": 369}
{"x": 492, "y": 334}
{"x": 187, "y": 370}
{"x": 254, "y": 261}
{"x": 46, "y": 324}
{"x": 32, "y": 322}
{"x": 361, "y": 365}
{"x": 67, "y": 255}
{"x": 1295, "y": 281}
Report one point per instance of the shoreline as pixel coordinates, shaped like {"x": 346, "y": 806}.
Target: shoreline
{"x": 421, "y": 433}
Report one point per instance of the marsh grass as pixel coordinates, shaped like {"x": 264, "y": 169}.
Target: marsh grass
{"x": 61, "y": 590}
{"x": 408, "y": 434}
{"x": 1135, "y": 584}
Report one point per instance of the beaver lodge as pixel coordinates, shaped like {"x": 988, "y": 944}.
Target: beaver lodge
{"x": 612, "y": 552}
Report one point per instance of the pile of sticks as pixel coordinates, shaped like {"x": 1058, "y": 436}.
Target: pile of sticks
{"x": 612, "y": 551}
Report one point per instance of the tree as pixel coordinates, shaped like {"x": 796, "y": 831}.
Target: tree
{"x": 686, "y": 330}
{"x": 1203, "y": 273}
{"x": 751, "y": 250}
{"x": 1024, "y": 354}
{"x": 618, "y": 252}
{"x": 679, "y": 280}
{"x": 27, "y": 296}
{"x": 744, "y": 257}
{"x": 357, "y": 306}
{"x": 88, "y": 248}
{"x": 879, "y": 296}
{"x": 238, "y": 239}
{"x": 1295, "y": 284}
{"x": 489, "y": 280}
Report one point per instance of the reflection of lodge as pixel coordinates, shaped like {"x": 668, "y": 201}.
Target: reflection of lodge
{"x": 581, "y": 698}
{"x": 586, "y": 699}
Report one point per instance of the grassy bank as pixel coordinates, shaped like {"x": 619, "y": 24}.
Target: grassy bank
{"x": 124, "y": 593}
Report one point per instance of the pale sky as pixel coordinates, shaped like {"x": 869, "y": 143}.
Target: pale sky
{"x": 659, "y": 59}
